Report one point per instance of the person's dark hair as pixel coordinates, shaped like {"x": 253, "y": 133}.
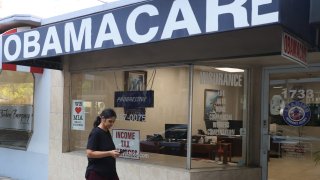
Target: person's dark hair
{"x": 106, "y": 113}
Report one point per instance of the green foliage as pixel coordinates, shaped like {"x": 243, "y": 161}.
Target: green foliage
{"x": 21, "y": 93}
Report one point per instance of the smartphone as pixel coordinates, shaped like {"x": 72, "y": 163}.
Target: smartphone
{"x": 122, "y": 151}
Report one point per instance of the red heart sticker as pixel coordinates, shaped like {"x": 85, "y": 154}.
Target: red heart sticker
{"x": 77, "y": 109}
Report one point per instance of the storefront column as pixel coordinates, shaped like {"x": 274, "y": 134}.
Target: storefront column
{"x": 189, "y": 141}
{"x": 254, "y": 116}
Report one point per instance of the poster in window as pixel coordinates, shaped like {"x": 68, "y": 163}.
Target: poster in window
{"x": 78, "y": 115}
{"x": 212, "y": 104}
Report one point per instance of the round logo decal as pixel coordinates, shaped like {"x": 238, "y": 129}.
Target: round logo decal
{"x": 296, "y": 113}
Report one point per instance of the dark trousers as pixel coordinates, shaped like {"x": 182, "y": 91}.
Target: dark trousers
{"x": 94, "y": 176}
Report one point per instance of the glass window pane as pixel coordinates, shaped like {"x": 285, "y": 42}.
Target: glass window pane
{"x": 16, "y": 109}
{"x": 219, "y": 116}
{"x": 294, "y": 117}
{"x": 162, "y": 128}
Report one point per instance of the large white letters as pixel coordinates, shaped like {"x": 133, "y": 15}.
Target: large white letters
{"x": 179, "y": 18}
{"x": 71, "y": 38}
{"x": 54, "y": 45}
{"x": 15, "y": 55}
{"x": 31, "y": 40}
{"x": 108, "y": 19}
{"x": 131, "y": 24}
{"x": 235, "y": 8}
{"x": 263, "y": 18}
{"x": 190, "y": 22}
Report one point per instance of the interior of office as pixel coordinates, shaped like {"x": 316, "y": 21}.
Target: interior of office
{"x": 218, "y": 114}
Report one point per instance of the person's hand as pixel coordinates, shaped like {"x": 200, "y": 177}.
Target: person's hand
{"x": 115, "y": 153}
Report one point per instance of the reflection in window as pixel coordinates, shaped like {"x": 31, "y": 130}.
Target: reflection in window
{"x": 16, "y": 109}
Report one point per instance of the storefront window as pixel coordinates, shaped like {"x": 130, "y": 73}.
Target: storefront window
{"x": 16, "y": 109}
{"x": 160, "y": 127}
{"x": 154, "y": 131}
{"x": 219, "y": 117}
{"x": 294, "y": 121}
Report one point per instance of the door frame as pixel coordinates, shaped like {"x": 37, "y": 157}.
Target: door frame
{"x": 265, "y": 137}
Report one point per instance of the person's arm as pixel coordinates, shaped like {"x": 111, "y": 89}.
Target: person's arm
{"x": 102, "y": 154}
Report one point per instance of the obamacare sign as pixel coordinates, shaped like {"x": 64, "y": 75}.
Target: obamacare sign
{"x": 145, "y": 22}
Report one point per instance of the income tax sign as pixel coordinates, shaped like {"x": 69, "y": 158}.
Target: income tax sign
{"x": 127, "y": 142}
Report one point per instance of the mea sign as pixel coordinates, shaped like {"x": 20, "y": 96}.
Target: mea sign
{"x": 139, "y": 23}
{"x": 78, "y": 120}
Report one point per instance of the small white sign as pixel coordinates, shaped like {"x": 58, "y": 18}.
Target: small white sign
{"x": 127, "y": 142}
{"x": 294, "y": 49}
{"x": 78, "y": 115}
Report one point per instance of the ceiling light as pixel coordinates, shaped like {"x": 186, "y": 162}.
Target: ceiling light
{"x": 230, "y": 69}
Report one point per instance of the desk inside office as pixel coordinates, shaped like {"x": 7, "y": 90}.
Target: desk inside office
{"x": 206, "y": 151}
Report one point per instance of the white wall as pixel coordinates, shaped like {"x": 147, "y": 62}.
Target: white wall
{"x": 32, "y": 164}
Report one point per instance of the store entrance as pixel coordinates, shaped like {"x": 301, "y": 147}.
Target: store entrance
{"x": 294, "y": 125}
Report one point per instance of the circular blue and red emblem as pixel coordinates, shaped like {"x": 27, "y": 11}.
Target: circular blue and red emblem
{"x": 296, "y": 113}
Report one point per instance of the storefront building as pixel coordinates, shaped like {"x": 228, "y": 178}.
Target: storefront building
{"x": 24, "y": 112}
{"x": 202, "y": 89}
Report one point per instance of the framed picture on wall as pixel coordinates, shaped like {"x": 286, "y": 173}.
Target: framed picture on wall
{"x": 135, "y": 81}
{"x": 212, "y": 101}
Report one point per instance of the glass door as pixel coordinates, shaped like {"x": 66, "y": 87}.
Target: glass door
{"x": 293, "y": 124}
